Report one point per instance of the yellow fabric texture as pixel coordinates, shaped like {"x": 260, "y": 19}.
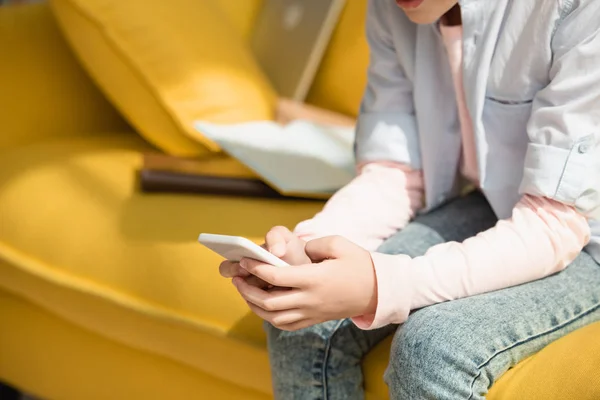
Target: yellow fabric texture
{"x": 43, "y": 89}
{"x": 242, "y": 14}
{"x": 341, "y": 79}
{"x": 58, "y": 360}
{"x": 165, "y": 64}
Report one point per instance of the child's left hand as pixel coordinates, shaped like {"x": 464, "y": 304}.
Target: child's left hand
{"x": 341, "y": 285}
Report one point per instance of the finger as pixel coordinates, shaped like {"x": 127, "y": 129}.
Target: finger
{"x": 269, "y": 301}
{"x": 277, "y": 318}
{"x": 229, "y": 269}
{"x": 330, "y": 247}
{"x": 277, "y": 239}
{"x": 257, "y": 282}
{"x": 295, "y": 253}
{"x": 277, "y": 276}
{"x": 297, "y": 325}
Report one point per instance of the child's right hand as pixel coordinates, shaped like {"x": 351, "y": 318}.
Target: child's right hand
{"x": 282, "y": 243}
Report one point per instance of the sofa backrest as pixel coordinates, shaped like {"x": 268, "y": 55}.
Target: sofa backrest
{"x": 242, "y": 13}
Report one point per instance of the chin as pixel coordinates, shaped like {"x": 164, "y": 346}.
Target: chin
{"x": 422, "y": 18}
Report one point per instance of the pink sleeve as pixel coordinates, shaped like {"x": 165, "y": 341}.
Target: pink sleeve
{"x": 381, "y": 200}
{"x": 542, "y": 237}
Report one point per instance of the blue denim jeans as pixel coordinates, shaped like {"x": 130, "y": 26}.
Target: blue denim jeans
{"x": 448, "y": 351}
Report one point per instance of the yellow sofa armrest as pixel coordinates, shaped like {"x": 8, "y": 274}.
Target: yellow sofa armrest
{"x": 44, "y": 92}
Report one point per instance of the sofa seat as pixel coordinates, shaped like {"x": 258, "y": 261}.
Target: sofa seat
{"x": 103, "y": 282}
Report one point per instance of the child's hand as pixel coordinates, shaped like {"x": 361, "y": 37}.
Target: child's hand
{"x": 342, "y": 286}
{"x": 281, "y": 243}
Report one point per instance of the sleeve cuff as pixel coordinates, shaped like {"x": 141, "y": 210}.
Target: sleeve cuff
{"x": 387, "y": 137}
{"x": 394, "y": 292}
{"x": 568, "y": 176}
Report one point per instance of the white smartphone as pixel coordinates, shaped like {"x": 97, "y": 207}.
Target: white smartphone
{"x": 234, "y": 248}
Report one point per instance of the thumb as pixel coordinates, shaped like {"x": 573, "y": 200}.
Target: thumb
{"x": 327, "y": 248}
{"x": 277, "y": 239}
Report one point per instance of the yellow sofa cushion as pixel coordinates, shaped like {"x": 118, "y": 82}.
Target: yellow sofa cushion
{"x": 54, "y": 359}
{"x": 78, "y": 240}
{"x": 43, "y": 89}
{"x": 566, "y": 369}
{"x": 165, "y": 64}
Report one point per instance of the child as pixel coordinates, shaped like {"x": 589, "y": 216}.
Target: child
{"x": 504, "y": 95}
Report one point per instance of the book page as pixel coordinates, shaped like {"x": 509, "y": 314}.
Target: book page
{"x": 299, "y": 158}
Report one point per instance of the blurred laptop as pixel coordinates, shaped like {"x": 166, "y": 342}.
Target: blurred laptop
{"x": 290, "y": 39}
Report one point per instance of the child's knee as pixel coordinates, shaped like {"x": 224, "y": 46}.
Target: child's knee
{"x": 429, "y": 357}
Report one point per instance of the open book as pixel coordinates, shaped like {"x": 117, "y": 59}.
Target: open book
{"x": 301, "y": 159}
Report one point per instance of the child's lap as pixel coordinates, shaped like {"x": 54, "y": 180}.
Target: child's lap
{"x": 473, "y": 341}
{"x": 516, "y": 321}
{"x": 495, "y": 322}
{"x": 494, "y": 330}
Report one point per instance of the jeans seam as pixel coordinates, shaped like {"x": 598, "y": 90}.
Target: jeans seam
{"x": 526, "y": 340}
{"x": 326, "y": 357}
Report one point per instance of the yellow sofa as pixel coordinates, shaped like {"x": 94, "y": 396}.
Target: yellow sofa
{"x": 104, "y": 293}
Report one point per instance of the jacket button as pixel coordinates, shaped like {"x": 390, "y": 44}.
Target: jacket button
{"x": 584, "y": 147}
